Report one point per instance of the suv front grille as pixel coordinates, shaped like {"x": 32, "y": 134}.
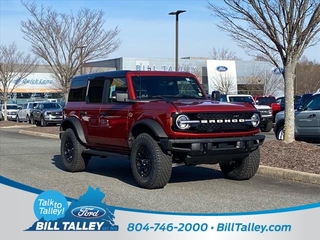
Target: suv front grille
{"x": 220, "y": 122}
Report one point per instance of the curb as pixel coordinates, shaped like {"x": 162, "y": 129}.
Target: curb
{"x": 18, "y": 126}
{"x": 48, "y": 135}
{"x": 263, "y": 170}
{"x": 289, "y": 174}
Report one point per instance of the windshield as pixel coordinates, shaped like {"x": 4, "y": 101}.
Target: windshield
{"x": 12, "y": 107}
{"x": 241, "y": 99}
{"x": 51, "y": 105}
{"x": 266, "y": 100}
{"x": 166, "y": 87}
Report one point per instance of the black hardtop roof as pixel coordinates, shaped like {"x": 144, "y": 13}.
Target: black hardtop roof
{"x": 123, "y": 73}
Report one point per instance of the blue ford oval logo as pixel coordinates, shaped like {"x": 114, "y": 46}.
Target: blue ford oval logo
{"x": 222, "y": 68}
{"x": 88, "y": 212}
{"x": 277, "y": 71}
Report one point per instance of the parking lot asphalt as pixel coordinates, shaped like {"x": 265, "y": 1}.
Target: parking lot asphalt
{"x": 264, "y": 170}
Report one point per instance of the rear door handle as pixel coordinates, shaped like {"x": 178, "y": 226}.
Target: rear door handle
{"x": 103, "y": 114}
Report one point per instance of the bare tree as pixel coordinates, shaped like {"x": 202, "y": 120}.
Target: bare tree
{"x": 14, "y": 66}
{"x": 263, "y": 81}
{"x": 66, "y": 41}
{"x": 273, "y": 83}
{"x": 223, "y": 82}
{"x": 278, "y": 29}
{"x": 307, "y": 76}
{"x": 223, "y": 54}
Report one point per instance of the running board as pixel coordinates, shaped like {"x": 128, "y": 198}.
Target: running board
{"x": 104, "y": 154}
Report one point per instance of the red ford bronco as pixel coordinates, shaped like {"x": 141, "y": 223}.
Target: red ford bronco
{"x": 155, "y": 119}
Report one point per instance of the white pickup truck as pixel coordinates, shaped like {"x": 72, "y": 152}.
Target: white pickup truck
{"x": 265, "y": 110}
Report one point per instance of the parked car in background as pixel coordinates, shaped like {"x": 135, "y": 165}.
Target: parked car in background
{"x": 271, "y": 101}
{"x": 23, "y": 114}
{"x": 45, "y": 113}
{"x": 265, "y": 111}
{"x": 12, "y": 110}
{"x": 307, "y": 119}
{"x": 281, "y": 101}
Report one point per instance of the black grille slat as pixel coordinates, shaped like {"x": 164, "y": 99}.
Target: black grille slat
{"x": 222, "y": 127}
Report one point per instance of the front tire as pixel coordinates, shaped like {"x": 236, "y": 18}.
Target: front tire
{"x": 73, "y": 158}
{"x": 151, "y": 167}
{"x": 267, "y": 128}
{"x": 43, "y": 122}
{"x": 242, "y": 169}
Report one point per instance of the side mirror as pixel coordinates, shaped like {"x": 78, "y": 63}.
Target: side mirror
{"x": 121, "y": 97}
{"x": 300, "y": 108}
{"x": 215, "y": 95}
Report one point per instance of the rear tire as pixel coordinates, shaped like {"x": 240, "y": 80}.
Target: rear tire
{"x": 280, "y": 133}
{"x": 242, "y": 169}
{"x": 151, "y": 167}
{"x": 73, "y": 158}
{"x": 31, "y": 121}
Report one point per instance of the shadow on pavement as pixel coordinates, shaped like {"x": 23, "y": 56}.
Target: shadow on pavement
{"x": 121, "y": 169}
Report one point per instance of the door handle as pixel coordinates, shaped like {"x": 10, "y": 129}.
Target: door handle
{"x": 83, "y": 113}
{"x": 103, "y": 114}
{"x": 312, "y": 115}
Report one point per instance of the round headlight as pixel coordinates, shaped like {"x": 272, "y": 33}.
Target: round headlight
{"x": 255, "y": 120}
{"x": 181, "y": 122}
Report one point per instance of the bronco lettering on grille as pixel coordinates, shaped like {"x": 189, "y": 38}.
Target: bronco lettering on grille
{"x": 223, "y": 121}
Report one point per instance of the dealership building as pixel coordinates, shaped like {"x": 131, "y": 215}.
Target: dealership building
{"x": 229, "y": 76}
{"x": 239, "y": 76}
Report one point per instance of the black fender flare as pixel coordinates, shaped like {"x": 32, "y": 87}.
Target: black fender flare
{"x": 153, "y": 125}
{"x": 74, "y": 123}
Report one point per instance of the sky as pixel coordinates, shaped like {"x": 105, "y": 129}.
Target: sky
{"x": 146, "y": 28}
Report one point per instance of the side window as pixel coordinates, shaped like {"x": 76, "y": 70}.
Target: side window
{"x": 95, "y": 90}
{"x": 78, "y": 90}
{"x": 118, "y": 85}
{"x": 313, "y": 103}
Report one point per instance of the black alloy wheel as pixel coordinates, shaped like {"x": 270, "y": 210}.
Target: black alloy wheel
{"x": 143, "y": 162}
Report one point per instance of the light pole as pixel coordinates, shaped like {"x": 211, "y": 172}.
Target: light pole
{"x": 81, "y": 58}
{"x": 177, "y": 33}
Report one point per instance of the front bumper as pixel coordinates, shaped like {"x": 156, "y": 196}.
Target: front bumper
{"x": 265, "y": 120}
{"x": 213, "y": 150}
{"x": 53, "y": 119}
{"x": 11, "y": 117}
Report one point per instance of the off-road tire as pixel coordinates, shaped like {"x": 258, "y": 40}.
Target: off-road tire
{"x": 267, "y": 128}
{"x": 280, "y": 133}
{"x": 158, "y": 164}
{"x": 17, "y": 119}
{"x": 73, "y": 158}
{"x": 27, "y": 119}
{"x": 242, "y": 169}
{"x": 43, "y": 122}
